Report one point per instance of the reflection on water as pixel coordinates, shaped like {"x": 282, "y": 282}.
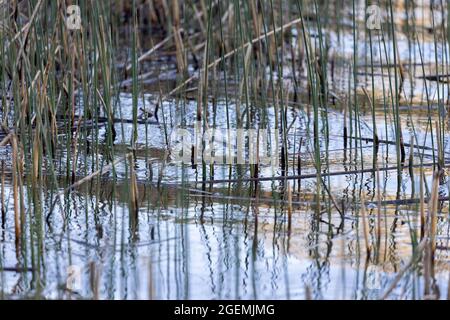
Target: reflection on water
{"x": 240, "y": 240}
{"x": 239, "y": 251}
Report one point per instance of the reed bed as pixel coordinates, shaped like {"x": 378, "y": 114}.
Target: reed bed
{"x": 266, "y": 64}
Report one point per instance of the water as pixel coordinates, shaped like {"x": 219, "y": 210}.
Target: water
{"x": 221, "y": 241}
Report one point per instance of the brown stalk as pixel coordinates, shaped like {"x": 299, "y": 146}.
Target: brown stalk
{"x": 181, "y": 61}
{"x": 36, "y": 146}
{"x": 430, "y": 236}
{"x": 378, "y": 210}
{"x": 422, "y": 204}
{"x": 15, "y": 160}
{"x": 433, "y": 208}
{"x": 180, "y": 56}
{"x": 364, "y": 221}
{"x": 134, "y": 193}
{"x": 94, "y": 279}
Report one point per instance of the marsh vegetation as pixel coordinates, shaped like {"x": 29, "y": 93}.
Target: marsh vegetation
{"x": 356, "y": 208}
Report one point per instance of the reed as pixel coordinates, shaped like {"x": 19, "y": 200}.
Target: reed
{"x": 87, "y": 116}
{"x": 365, "y": 226}
{"x": 289, "y": 197}
{"x": 430, "y": 249}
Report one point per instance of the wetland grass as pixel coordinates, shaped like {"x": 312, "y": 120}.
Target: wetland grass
{"x": 88, "y": 116}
